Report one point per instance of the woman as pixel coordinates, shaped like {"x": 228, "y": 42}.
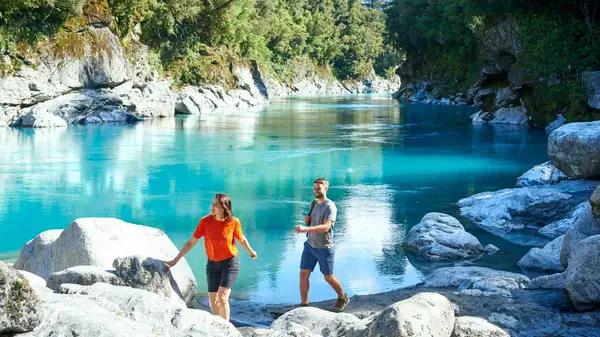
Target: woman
{"x": 219, "y": 229}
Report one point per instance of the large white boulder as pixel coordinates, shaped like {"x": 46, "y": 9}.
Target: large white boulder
{"x": 98, "y": 242}
{"x": 422, "y": 315}
{"x": 575, "y": 149}
{"x": 441, "y": 237}
{"x": 317, "y": 321}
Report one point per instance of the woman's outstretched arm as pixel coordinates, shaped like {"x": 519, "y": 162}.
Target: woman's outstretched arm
{"x": 244, "y": 242}
{"x": 186, "y": 248}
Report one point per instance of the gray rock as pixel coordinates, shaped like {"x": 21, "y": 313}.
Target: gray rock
{"x": 82, "y": 275}
{"x": 545, "y": 259}
{"x": 441, "y": 237}
{"x": 553, "y": 281}
{"x": 8, "y": 114}
{"x": 543, "y": 174}
{"x": 98, "y": 242}
{"x": 142, "y": 272}
{"x": 84, "y": 106}
{"x": 483, "y": 95}
{"x": 506, "y": 97}
{"x": 489, "y": 281}
{"x": 595, "y": 204}
{"x": 481, "y": 117}
{"x": 581, "y": 228}
{"x": 575, "y": 149}
{"x": 491, "y": 249}
{"x": 591, "y": 81}
{"x": 500, "y": 47}
{"x": 35, "y": 117}
{"x": 562, "y": 226}
{"x": 110, "y": 311}
{"x": 291, "y": 330}
{"x": 583, "y": 279}
{"x": 102, "y": 64}
{"x": 508, "y": 212}
{"x": 151, "y": 99}
{"x": 36, "y": 256}
{"x": 513, "y": 115}
{"x": 504, "y": 320}
{"x": 424, "y": 314}
{"x": 467, "y": 326}
{"x": 20, "y": 307}
{"x": 557, "y": 123}
{"x": 317, "y": 321}
{"x": 36, "y": 282}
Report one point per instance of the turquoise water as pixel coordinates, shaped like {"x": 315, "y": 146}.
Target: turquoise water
{"x": 389, "y": 164}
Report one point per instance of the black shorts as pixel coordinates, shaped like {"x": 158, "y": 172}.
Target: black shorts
{"x": 222, "y": 273}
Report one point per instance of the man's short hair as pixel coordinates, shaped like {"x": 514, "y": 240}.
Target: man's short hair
{"x": 321, "y": 181}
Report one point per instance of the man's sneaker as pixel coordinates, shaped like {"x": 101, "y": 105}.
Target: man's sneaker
{"x": 304, "y": 304}
{"x": 341, "y": 303}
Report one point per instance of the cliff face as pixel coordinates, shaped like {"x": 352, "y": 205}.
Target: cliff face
{"x": 93, "y": 78}
{"x": 504, "y": 89}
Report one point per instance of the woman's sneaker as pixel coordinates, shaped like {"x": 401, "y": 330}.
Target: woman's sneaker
{"x": 341, "y": 303}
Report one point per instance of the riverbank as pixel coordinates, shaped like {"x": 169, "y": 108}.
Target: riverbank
{"x": 120, "y": 84}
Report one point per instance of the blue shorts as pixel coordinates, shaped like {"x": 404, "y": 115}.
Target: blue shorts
{"x": 310, "y": 257}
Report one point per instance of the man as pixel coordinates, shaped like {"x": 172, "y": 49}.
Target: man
{"x": 319, "y": 245}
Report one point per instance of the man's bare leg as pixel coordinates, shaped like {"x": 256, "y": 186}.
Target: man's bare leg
{"x": 304, "y": 285}
{"x": 335, "y": 284}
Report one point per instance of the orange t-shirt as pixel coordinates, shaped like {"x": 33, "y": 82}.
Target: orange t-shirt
{"x": 219, "y": 237}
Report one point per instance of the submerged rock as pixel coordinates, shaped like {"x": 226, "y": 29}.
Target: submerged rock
{"x": 562, "y": 226}
{"x": 441, "y": 237}
{"x": 560, "y": 121}
{"x": 553, "y": 281}
{"x": 544, "y": 259}
{"x": 515, "y": 213}
{"x": 477, "y": 280}
{"x": 543, "y": 174}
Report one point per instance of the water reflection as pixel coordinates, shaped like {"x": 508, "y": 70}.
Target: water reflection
{"x": 388, "y": 166}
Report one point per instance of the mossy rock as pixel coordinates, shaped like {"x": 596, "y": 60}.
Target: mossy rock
{"x": 20, "y": 307}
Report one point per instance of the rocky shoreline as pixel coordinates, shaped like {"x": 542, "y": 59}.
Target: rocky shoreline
{"x": 119, "y": 85}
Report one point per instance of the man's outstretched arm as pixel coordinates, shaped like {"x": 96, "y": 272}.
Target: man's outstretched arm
{"x": 315, "y": 229}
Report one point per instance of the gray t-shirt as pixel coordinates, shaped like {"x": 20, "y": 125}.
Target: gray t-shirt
{"x": 320, "y": 214}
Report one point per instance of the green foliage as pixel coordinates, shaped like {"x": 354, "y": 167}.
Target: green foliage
{"x": 437, "y": 32}
{"x": 558, "y": 44}
{"x": 333, "y": 36}
{"x": 568, "y": 98}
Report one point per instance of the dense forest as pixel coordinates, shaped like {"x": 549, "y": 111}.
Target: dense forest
{"x": 191, "y": 39}
{"x": 445, "y": 42}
